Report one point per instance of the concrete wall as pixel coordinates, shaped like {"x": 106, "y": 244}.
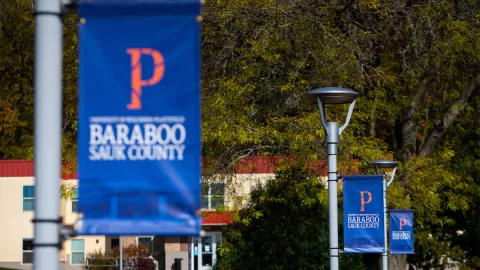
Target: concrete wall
{"x": 176, "y": 247}
{"x": 129, "y": 240}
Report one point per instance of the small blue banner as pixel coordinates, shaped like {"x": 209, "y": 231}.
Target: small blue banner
{"x": 363, "y": 214}
{"x": 139, "y": 117}
{"x": 401, "y": 231}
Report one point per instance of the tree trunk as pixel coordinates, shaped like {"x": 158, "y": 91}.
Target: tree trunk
{"x": 409, "y": 127}
{"x": 397, "y": 262}
{"x": 372, "y": 118}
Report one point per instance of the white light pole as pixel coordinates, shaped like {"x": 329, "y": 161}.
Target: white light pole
{"x": 333, "y": 95}
{"x": 384, "y": 163}
{"x": 48, "y": 133}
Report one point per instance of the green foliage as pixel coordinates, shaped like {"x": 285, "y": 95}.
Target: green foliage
{"x": 413, "y": 64}
{"x": 70, "y": 91}
{"x": 465, "y": 232}
{"x": 67, "y": 191}
{"x": 16, "y": 79}
{"x": 16, "y": 82}
{"x": 284, "y": 226}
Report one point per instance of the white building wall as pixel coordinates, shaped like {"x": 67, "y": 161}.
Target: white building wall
{"x": 16, "y": 224}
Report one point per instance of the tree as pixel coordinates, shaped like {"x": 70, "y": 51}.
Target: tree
{"x": 467, "y": 166}
{"x": 415, "y": 64}
{"x": 16, "y": 82}
{"x": 16, "y": 79}
{"x": 284, "y": 226}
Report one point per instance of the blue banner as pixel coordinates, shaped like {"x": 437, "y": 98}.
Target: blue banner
{"x": 401, "y": 232}
{"x": 139, "y": 117}
{"x": 363, "y": 214}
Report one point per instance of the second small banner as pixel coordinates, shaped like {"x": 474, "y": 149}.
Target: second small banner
{"x": 401, "y": 231}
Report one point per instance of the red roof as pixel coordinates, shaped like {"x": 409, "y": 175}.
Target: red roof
{"x": 263, "y": 164}
{"x": 16, "y": 168}
{"x": 247, "y": 165}
{"x": 25, "y": 168}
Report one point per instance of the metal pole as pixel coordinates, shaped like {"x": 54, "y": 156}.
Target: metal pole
{"x": 121, "y": 253}
{"x": 385, "y": 253}
{"x": 48, "y": 132}
{"x": 332, "y": 151}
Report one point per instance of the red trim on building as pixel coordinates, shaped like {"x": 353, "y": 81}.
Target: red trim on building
{"x": 217, "y": 218}
{"x": 269, "y": 165}
{"x": 258, "y": 164}
{"x": 247, "y": 165}
{"x": 68, "y": 173}
{"x": 16, "y": 168}
{"x": 25, "y": 168}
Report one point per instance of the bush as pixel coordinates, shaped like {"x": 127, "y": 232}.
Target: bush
{"x": 134, "y": 258}
{"x": 98, "y": 260}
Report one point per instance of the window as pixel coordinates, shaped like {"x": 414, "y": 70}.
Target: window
{"x": 74, "y": 201}
{"x": 213, "y": 195}
{"x": 145, "y": 241}
{"x": 28, "y": 199}
{"x": 78, "y": 251}
{"x": 27, "y": 251}
{"x": 114, "y": 243}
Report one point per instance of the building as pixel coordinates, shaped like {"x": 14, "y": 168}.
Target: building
{"x": 17, "y": 186}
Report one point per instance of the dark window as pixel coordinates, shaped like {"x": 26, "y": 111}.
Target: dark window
{"x": 115, "y": 242}
{"x": 27, "y": 251}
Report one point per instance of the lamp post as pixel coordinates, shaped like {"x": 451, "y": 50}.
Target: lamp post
{"x": 48, "y": 133}
{"x": 377, "y": 164}
{"x": 333, "y": 95}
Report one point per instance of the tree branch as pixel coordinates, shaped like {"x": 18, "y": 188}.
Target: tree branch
{"x": 449, "y": 117}
{"x": 409, "y": 123}
{"x": 345, "y": 8}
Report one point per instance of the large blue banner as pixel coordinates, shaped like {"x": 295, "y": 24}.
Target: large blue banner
{"x": 139, "y": 117}
{"x": 363, "y": 214}
{"x": 401, "y": 232}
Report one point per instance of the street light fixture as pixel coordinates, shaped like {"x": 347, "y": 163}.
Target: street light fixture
{"x": 333, "y": 95}
{"x": 390, "y": 164}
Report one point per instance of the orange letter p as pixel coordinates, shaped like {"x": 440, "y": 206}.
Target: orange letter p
{"x": 362, "y": 199}
{"x": 136, "y": 74}
{"x": 403, "y": 222}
